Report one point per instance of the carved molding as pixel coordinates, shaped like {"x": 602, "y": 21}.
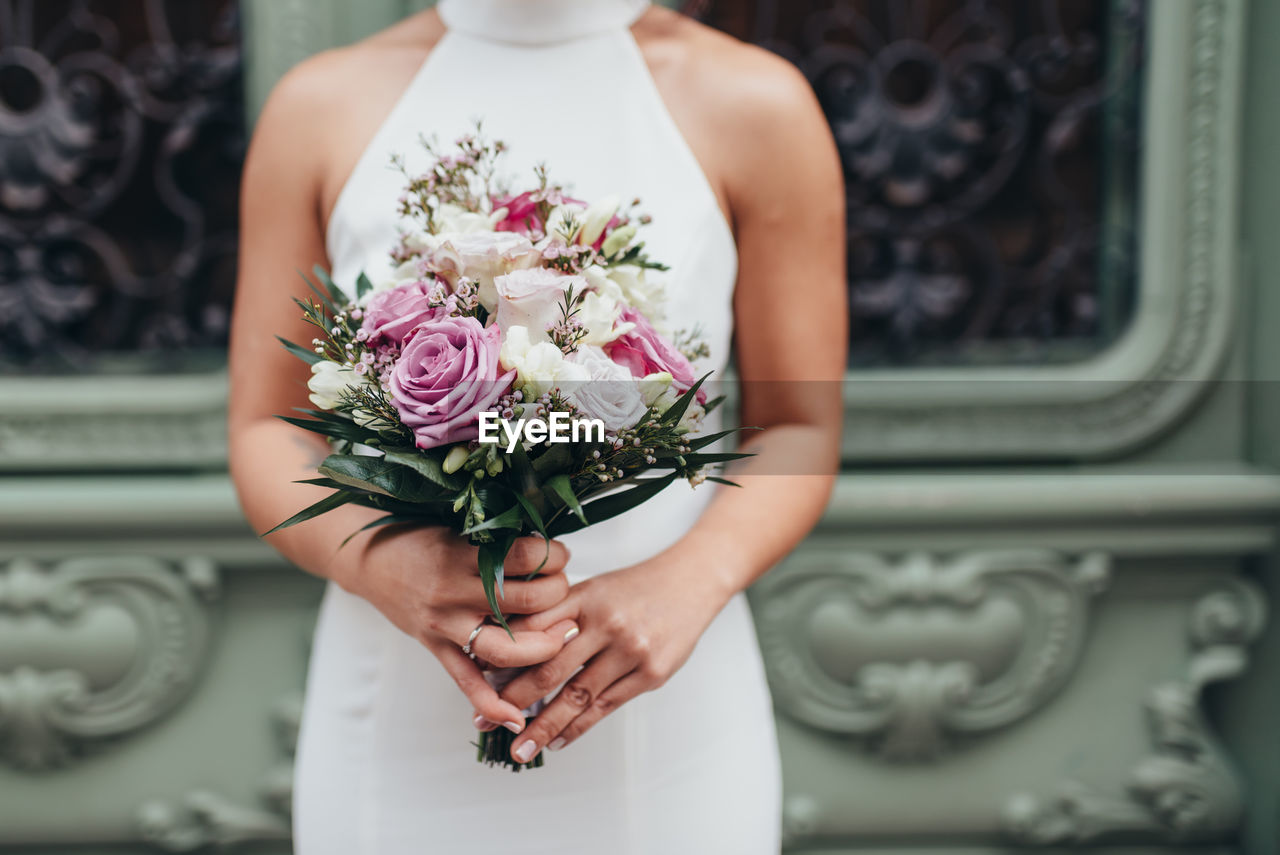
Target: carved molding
{"x": 202, "y": 818}
{"x": 912, "y": 655}
{"x": 1160, "y": 370}
{"x": 75, "y": 425}
{"x": 95, "y": 648}
{"x": 1185, "y": 790}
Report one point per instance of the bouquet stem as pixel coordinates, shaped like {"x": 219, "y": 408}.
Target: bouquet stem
{"x": 494, "y": 749}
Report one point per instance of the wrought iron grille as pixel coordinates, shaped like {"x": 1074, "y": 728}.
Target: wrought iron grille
{"x": 990, "y": 150}
{"x": 121, "y": 141}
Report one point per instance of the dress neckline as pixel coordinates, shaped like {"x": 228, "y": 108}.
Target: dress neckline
{"x": 538, "y": 22}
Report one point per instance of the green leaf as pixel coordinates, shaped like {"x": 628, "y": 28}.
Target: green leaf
{"x": 308, "y": 356}
{"x": 427, "y": 466}
{"x": 363, "y": 286}
{"x": 677, "y": 410}
{"x": 344, "y": 429}
{"x": 326, "y": 301}
{"x": 614, "y": 504}
{"x": 512, "y": 518}
{"x": 336, "y": 294}
{"x": 555, "y": 460}
{"x": 490, "y": 559}
{"x": 536, "y": 518}
{"x": 563, "y": 489}
{"x": 378, "y": 475}
{"x": 724, "y": 481}
{"x": 704, "y": 441}
{"x": 695, "y": 460}
{"x": 389, "y": 519}
{"x": 328, "y": 503}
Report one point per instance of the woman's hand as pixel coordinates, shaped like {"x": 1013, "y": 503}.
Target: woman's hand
{"x": 427, "y": 582}
{"x": 639, "y": 625}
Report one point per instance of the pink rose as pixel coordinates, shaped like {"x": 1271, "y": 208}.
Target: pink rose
{"x": 447, "y": 374}
{"x": 391, "y": 315}
{"x": 643, "y": 351}
{"x": 522, "y": 214}
{"x": 533, "y": 299}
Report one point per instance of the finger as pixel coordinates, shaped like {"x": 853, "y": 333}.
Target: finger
{"x": 533, "y": 554}
{"x": 544, "y": 678}
{"x": 495, "y": 646}
{"x": 478, "y": 691}
{"x": 572, "y": 701}
{"x": 609, "y": 700}
{"x": 535, "y": 621}
{"x": 524, "y": 598}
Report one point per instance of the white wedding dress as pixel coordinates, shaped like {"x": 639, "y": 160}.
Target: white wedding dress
{"x": 384, "y": 762}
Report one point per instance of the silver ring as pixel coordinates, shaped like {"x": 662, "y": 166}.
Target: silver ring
{"x": 466, "y": 648}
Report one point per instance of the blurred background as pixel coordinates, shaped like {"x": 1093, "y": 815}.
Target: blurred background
{"x": 1035, "y": 615}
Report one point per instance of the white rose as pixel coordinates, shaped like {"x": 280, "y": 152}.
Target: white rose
{"x": 599, "y": 315}
{"x": 610, "y": 393}
{"x": 647, "y": 296}
{"x": 533, "y": 299}
{"x": 540, "y": 366}
{"x": 596, "y": 218}
{"x": 455, "y": 219}
{"x": 328, "y": 382}
{"x": 482, "y": 256}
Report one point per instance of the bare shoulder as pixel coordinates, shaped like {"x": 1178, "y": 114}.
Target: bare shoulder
{"x": 735, "y": 82}
{"x": 722, "y": 91}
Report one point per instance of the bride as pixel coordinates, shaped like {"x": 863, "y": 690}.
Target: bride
{"x": 661, "y": 727}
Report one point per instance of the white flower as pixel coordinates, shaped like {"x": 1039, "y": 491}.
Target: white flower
{"x": 328, "y": 382}
{"x": 628, "y": 284}
{"x": 482, "y": 256}
{"x": 455, "y": 219}
{"x": 618, "y": 240}
{"x": 565, "y": 222}
{"x": 533, "y": 299}
{"x": 598, "y": 315}
{"x": 596, "y": 218}
{"x": 610, "y": 393}
{"x": 540, "y": 366}
{"x": 657, "y": 392}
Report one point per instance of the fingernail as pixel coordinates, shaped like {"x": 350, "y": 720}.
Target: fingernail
{"x": 513, "y": 726}
{"x": 525, "y": 752}
{"x": 556, "y": 744}
{"x": 571, "y": 634}
{"x": 479, "y": 722}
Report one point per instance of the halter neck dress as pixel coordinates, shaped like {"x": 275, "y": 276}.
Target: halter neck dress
{"x": 384, "y": 765}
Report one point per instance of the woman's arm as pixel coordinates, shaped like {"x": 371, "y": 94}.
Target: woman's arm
{"x": 425, "y": 580}
{"x": 640, "y": 624}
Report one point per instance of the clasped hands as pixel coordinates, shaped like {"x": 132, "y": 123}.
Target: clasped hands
{"x": 611, "y": 636}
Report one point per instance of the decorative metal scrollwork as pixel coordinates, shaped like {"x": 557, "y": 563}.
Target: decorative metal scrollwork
{"x": 1185, "y": 790}
{"x": 914, "y": 655}
{"x": 120, "y": 147}
{"x": 990, "y": 154}
{"x": 93, "y": 649}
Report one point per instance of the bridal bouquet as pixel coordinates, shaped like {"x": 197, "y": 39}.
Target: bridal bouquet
{"x": 514, "y": 376}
